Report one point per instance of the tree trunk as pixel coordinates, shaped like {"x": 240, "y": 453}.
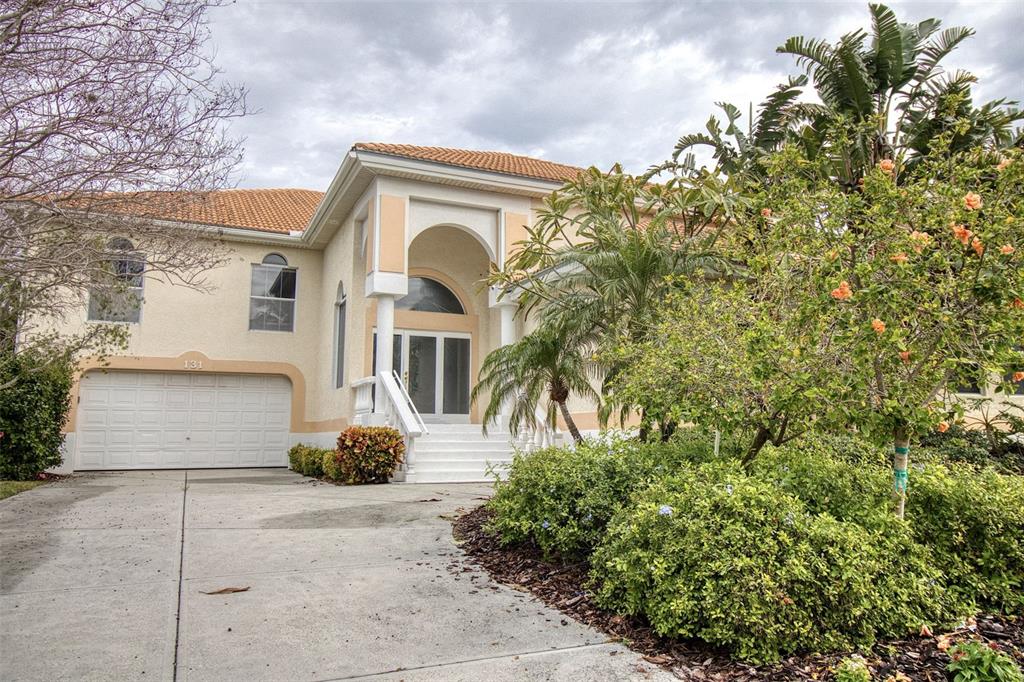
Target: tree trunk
{"x": 760, "y": 439}
{"x": 900, "y": 459}
{"x": 667, "y": 429}
{"x": 569, "y": 423}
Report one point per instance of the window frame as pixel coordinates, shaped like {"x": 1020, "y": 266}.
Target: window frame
{"x": 294, "y": 301}
{"x": 450, "y": 290}
{"x": 340, "y": 329}
{"x": 121, "y": 253}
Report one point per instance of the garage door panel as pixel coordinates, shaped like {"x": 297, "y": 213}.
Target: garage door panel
{"x": 176, "y": 398}
{"x": 177, "y": 419}
{"x": 168, "y": 419}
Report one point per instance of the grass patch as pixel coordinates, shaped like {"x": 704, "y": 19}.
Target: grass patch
{"x": 9, "y": 488}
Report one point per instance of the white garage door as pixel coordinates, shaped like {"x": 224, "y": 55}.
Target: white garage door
{"x": 153, "y": 420}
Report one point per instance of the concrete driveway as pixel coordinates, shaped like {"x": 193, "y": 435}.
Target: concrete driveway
{"x": 107, "y": 576}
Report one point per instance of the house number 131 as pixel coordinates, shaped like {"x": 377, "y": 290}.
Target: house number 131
{"x": 193, "y": 364}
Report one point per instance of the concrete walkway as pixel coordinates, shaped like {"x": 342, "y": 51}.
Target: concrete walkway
{"x": 107, "y": 576}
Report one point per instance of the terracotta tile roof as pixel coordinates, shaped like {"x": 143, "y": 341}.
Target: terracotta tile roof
{"x": 268, "y": 210}
{"x": 497, "y": 162}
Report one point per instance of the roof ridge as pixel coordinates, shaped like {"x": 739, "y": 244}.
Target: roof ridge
{"x": 508, "y": 163}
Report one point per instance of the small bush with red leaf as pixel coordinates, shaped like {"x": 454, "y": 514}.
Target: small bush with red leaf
{"x": 367, "y": 454}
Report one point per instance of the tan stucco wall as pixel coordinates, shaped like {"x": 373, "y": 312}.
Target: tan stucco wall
{"x": 392, "y": 233}
{"x": 177, "y": 321}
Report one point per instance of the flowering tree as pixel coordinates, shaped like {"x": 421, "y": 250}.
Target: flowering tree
{"x": 918, "y": 274}
{"x": 110, "y": 113}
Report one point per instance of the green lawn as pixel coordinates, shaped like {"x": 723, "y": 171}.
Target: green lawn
{"x": 8, "y": 488}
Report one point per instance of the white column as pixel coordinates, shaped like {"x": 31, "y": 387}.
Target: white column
{"x": 385, "y": 333}
{"x": 508, "y": 324}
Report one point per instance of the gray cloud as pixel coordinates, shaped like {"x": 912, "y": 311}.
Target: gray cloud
{"x": 580, "y": 83}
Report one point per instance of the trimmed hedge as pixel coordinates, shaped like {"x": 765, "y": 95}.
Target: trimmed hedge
{"x": 801, "y": 553}
{"x": 367, "y": 454}
{"x": 736, "y": 562}
{"x": 308, "y": 460}
{"x": 563, "y": 498}
{"x": 32, "y": 414}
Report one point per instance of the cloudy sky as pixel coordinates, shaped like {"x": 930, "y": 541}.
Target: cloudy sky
{"x": 576, "y": 82}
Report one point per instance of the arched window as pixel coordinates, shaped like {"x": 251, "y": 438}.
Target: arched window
{"x": 272, "y": 296}
{"x": 116, "y": 295}
{"x": 429, "y": 296}
{"x": 339, "y": 337}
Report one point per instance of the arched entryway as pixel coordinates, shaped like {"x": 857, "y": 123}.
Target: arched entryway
{"x": 438, "y": 332}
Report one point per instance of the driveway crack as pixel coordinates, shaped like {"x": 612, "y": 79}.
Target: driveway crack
{"x": 181, "y": 573}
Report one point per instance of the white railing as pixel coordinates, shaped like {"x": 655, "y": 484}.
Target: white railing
{"x": 408, "y": 401}
{"x": 537, "y": 434}
{"x": 396, "y": 410}
{"x": 363, "y": 399}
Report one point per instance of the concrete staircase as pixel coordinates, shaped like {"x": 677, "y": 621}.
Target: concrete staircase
{"x": 458, "y": 453}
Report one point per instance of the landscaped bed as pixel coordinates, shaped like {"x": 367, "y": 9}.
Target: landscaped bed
{"x": 791, "y": 567}
{"x": 560, "y": 585}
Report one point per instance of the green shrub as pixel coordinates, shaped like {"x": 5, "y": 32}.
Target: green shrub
{"x": 958, "y": 444}
{"x": 33, "y": 410}
{"x": 369, "y": 454}
{"x": 736, "y": 562}
{"x": 837, "y": 475}
{"x": 563, "y": 498}
{"x": 973, "y": 520}
{"x": 332, "y": 469}
{"x": 853, "y": 669}
{"x": 307, "y": 459}
{"x": 975, "y": 662}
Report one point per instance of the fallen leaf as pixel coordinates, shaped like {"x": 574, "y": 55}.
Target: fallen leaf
{"x": 228, "y": 590}
{"x": 926, "y": 631}
{"x": 943, "y": 643}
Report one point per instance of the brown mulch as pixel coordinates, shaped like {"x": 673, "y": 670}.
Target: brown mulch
{"x": 561, "y": 586}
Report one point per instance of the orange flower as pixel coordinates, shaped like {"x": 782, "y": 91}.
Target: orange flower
{"x": 878, "y": 326}
{"x": 962, "y": 233}
{"x": 905, "y": 356}
{"x": 1017, "y": 303}
{"x": 766, "y": 213}
{"x": 920, "y": 239}
{"x": 1018, "y": 376}
{"x": 1003, "y": 165}
{"x": 942, "y": 427}
{"x": 842, "y": 292}
{"x": 1006, "y": 249}
{"x": 972, "y": 201}
{"x": 887, "y": 165}
{"x": 978, "y": 246}
{"x": 900, "y": 258}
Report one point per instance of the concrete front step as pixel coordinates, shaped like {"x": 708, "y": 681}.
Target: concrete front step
{"x": 459, "y": 453}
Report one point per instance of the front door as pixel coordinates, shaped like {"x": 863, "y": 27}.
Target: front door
{"x": 435, "y": 368}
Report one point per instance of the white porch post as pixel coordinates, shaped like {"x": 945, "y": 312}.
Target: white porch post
{"x": 507, "y": 310}
{"x": 508, "y": 324}
{"x": 385, "y": 334}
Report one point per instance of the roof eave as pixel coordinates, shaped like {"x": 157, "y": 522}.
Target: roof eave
{"x": 360, "y": 165}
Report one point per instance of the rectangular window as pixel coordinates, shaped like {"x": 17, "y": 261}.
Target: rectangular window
{"x": 272, "y": 301}
{"x": 339, "y": 345}
{"x": 121, "y": 299}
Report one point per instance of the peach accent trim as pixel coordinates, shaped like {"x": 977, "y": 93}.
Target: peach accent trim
{"x": 515, "y": 231}
{"x": 165, "y": 364}
{"x": 392, "y": 234}
{"x": 371, "y": 234}
{"x": 588, "y": 421}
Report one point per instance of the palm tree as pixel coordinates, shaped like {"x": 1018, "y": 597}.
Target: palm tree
{"x": 546, "y": 362}
{"x": 607, "y": 248}
{"x": 886, "y": 87}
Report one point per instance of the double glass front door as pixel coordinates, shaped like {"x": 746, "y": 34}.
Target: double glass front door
{"x": 435, "y": 368}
